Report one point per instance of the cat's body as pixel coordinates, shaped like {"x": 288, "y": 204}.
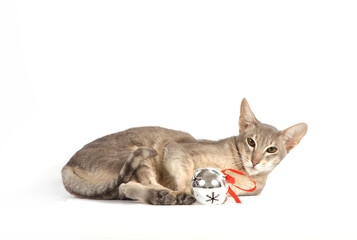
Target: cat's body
{"x": 155, "y": 165}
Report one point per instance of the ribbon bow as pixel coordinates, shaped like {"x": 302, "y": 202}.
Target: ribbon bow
{"x": 231, "y": 180}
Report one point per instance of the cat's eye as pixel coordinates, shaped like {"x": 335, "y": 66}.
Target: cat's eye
{"x": 250, "y": 142}
{"x": 272, "y": 149}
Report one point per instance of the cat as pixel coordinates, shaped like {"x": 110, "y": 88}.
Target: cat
{"x": 155, "y": 165}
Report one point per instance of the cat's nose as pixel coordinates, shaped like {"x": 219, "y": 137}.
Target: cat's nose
{"x": 255, "y": 162}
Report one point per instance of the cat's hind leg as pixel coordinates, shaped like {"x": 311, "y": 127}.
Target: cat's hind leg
{"x": 102, "y": 181}
{"x": 149, "y": 194}
{"x": 144, "y": 187}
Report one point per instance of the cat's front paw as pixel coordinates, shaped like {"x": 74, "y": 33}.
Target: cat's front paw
{"x": 163, "y": 197}
{"x": 184, "y": 199}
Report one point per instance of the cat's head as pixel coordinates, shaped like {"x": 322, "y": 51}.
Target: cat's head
{"x": 262, "y": 146}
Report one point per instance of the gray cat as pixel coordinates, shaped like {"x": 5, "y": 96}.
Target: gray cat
{"x": 155, "y": 165}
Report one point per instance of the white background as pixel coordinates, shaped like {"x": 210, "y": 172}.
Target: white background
{"x": 72, "y": 71}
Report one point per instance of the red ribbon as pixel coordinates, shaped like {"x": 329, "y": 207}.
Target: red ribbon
{"x": 231, "y": 180}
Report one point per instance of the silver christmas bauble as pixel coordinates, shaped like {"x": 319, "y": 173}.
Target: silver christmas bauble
{"x": 209, "y": 186}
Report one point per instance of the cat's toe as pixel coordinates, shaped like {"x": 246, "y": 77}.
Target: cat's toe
{"x": 121, "y": 191}
{"x": 163, "y": 197}
{"x": 184, "y": 199}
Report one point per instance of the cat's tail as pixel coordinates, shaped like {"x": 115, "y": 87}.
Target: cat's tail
{"x": 95, "y": 185}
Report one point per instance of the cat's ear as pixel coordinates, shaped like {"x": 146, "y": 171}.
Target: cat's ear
{"x": 293, "y": 135}
{"x": 247, "y": 118}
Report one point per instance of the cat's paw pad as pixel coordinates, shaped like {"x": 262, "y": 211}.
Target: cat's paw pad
{"x": 185, "y": 199}
{"x": 163, "y": 197}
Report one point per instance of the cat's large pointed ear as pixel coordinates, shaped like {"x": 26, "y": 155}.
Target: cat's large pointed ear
{"x": 293, "y": 135}
{"x": 247, "y": 118}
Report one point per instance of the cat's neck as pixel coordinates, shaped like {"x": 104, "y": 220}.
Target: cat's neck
{"x": 231, "y": 147}
{"x": 221, "y": 154}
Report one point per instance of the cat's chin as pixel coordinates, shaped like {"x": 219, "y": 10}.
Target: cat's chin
{"x": 252, "y": 171}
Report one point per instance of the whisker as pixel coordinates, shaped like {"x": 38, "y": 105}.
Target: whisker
{"x": 234, "y": 150}
{"x": 237, "y": 164}
{"x": 231, "y": 156}
{"x": 229, "y": 159}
